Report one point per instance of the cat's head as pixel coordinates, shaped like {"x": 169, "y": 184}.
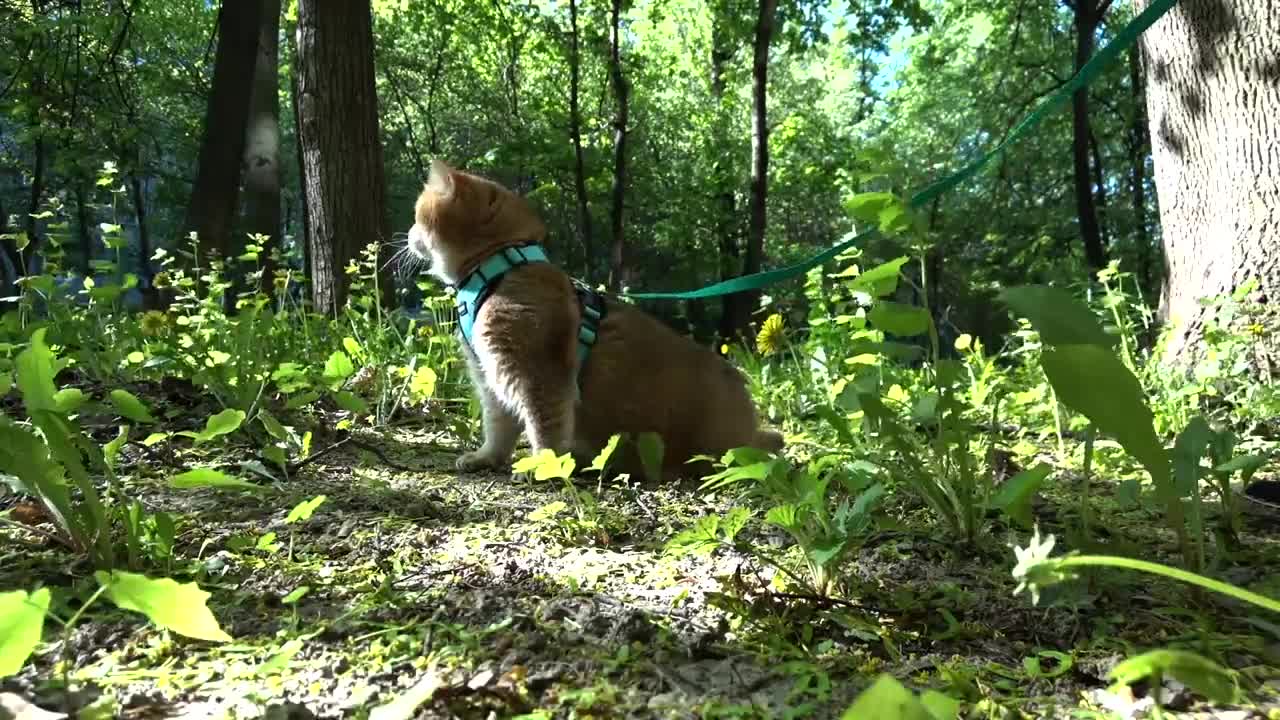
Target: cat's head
{"x": 461, "y": 219}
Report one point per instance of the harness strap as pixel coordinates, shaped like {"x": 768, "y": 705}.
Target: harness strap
{"x": 474, "y": 289}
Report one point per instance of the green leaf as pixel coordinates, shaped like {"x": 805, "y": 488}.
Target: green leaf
{"x": 601, "y": 460}
{"x": 1200, "y": 674}
{"x": 302, "y": 511}
{"x": 899, "y": 319}
{"x": 546, "y": 465}
{"x": 337, "y": 369}
{"x": 423, "y": 384}
{"x": 281, "y": 659}
{"x": 887, "y": 699}
{"x": 297, "y": 594}
{"x": 179, "y": 607}
{"x": 1188, "y": 448}
{"x": 273, "y": 426}
{"x": 224, "y": 423}
{"x": 111, "y": 450}
{"x": 36, "y": 367}
{"x": 351, "y": 403}
{"x": 352, "y": 347}
{"x": 1057, "y": 316}
{"x": 881, "y": 280}
{"x": 21, "y": 623}
{"x": 130, "y": 407}
{"x": 1091, "y": 380}
{"x": 1014, "y": 497}
{"x": 868, "y": 206}
{"x": 1035, "y": 668}
{"x": 548, "y": 511}
{"x": 651, "y": 449}
{"x": 208, "y": 477}
{"x": 68, "y": 400}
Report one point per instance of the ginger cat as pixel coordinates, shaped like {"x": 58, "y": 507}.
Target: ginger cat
{"x": 523, "y": 357}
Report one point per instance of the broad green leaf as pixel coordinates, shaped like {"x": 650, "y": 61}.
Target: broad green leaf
{"x": 898, "y": 319}
{"x": 155, "y": 438}
{"x": 273, "y": 426}
{"x": 224, "y": 423}
{"x": 602, "y": 459}
{"x": 733, "y": 522}
{"x": 1188, "y": 448}
{"x": 351, "y": 402}
{"x": 297, "y": 594}
{"x": 68, "y": 400}
{"x": 352, "y": 347}
{"x": 1198, "y": 673}
{"x": 881, "y": 280}
{"x": 281, "y": 659}
{"x": 111, "y": 450}
{"x": 548, "y": 511}
{"x": 276, "y": 455}
{"x": 36, "y": 367}
{"x": 651, "y": 449}
{"x": 1057, "y": 316}
{"x": 423, "y": 384}
{"x": 1035, "y": 668}
{"x": 1246, "y": 465}
{"x": 887, "y": 699}
{"x": 21, "y": 623}
{"x": 302, "y": 511}
{"x": 1091, "y": 380}
{"x": 337, "y": 369}
{"x": 868, "y": 206}
{"x": 546, "y": 465}
{"x": 208, "y": 477}
{"x": 1014, "y": 497}
{"x": 179, "y": 607}
{"x": 130, "y": 407}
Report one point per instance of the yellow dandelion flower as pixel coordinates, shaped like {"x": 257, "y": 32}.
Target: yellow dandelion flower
{"x": 772, "y": 335}
{"x": 724, "y": 349}
{"x": 154, "y": 322}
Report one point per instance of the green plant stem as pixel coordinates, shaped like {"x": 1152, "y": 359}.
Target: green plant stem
{"x": 1086, "y": 482}
{"x": 1172, "y": 573}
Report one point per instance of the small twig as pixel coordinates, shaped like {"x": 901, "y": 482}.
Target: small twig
{"x": 37, "y": 531}
{"x": 292, "y": 468}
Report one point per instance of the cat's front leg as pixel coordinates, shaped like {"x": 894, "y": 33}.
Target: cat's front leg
{"x": 501, "y": 432}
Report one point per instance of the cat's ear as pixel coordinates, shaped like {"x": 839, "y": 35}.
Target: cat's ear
{"x": 441, "y": 181}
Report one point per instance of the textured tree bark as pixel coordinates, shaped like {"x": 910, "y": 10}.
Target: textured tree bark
{"x": 1137, "y": 150}
{"x": 575, "y": 136}
{"x": 84, "y": 229}
{"x": 262, "y": 142}
{"x": 341, "y": 145}
{"x": 727, "y": 226}
{"x": 150, "y": 298}
{"x": 1213, "y": 99}
{"x": 1088, "y": 14}
{"x": 212, "y": 207}
{"x": 758, "y": 220}
{"x": 621, "y": 94}
{"x": 304, "y": 241}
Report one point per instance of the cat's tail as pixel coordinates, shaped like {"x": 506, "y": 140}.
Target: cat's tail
{"x": 769, "y": 440}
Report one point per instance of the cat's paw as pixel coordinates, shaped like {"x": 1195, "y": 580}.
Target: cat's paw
{"x": 478, "y": 460}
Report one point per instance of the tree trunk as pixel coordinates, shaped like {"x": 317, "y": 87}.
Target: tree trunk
{"x": 731, "y": 317}
{"x": 1088, "y": 13}
{"x": 304, "y": 241}
{"x": 84, "y": 230}
{"x": 575, "y": 136}
{"x": 212, "y": 208}
{"x": 150, "y": 297}
{"x": 621, "y": 92}
{"x": 1213, "y": 99}
{"x": 758, "y": 219}
{"x": 36, "y": 197}
{"x": 1137, "y": 149}
{"x": 262, "y": 142}
{"x": 341, "y": 145}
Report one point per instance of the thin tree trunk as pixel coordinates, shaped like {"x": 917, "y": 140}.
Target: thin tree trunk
{"x": 1088, "y": 13}
{"x": 341, "y": 145}
{"x": 575, "y": 136}
{"x": 1100, "y": 197}
{"x": 1214, "y": 109}
{"x": 727, "y": 218}
{"x": 212, "y": 207}
{"x": 262, "y": 143}
{"x": 617, "y": 256}
{"x": 1137, "y": 147}
{"x": 34, "y": 241}
{"x": 305, "y": 205}
{"x": 150, "y": 297}
{"x": 758, "y": 220}
{"x": 84, "y": 231}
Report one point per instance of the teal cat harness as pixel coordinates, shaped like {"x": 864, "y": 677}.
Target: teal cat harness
{"x": 475, "y": 288}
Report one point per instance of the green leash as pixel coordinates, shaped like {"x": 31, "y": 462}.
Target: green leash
{"x": 1104, "y": 57}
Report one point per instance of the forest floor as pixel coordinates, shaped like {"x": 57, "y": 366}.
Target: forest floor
{"x": 407, "y": 560}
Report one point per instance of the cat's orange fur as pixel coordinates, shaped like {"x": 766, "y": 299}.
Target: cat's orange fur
{"x": 640, "y": 375}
